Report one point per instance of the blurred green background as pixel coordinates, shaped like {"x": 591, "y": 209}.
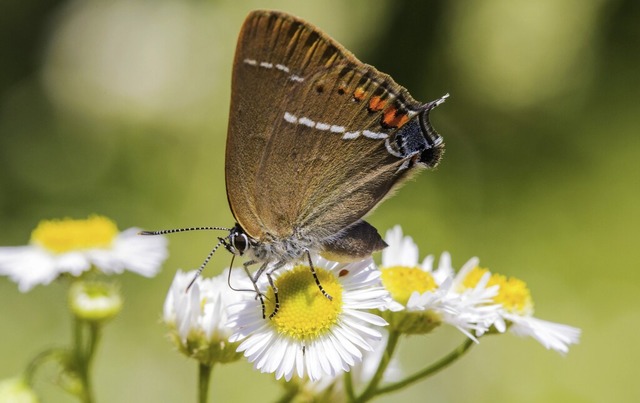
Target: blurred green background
{"x": 120, "y": 108}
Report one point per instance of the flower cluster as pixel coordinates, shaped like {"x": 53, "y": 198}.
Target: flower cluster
{"x": 197, "y": 315}
{"x": 473, "y": 300}
{"x": 424, "y": 297}
{"x": 312, "y": 339}
{"x": 324, "y": 327}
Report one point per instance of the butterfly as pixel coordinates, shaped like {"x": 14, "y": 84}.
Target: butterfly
{"x": 316, "y": 140}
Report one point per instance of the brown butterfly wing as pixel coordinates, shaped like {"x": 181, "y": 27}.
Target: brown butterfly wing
{"x": 316, "y": 138}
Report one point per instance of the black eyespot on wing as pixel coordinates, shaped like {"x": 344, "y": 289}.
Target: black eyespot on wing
{"x": 432, "y": 156}
{"x": 415, "y": 138}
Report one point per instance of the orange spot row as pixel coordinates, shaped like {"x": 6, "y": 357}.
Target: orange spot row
{"x": 359, "y": 94}
{"x": 392, "y": 119}
{"x": 376, "y": 104}
{"x": 391, "y": 116}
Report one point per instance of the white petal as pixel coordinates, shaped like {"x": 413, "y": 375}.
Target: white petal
{"x": 353, "y": 337}
{"x": 74, "y": 263}
{"x": 444, "y": 269}
{"x": 277, "y": 354}
{"x": 500, "y": 325}
{"x": 427, "y": 263}
{"x": 365, "y": 330}
{"x": 393, "y": 306}
{"x": 312, "y": 363}
{"x": 261, "y": 359}
{"x": 137, "y": 253}
{"x": 367, "y": 317}
{"x": 288, "y": 364}
{"x": 554, "y": 336}
{"x": 345, "y": 357}
{"x": 258, "y": 343}
{"x": 402, "y": 251}
{"x": 28, "y": 266}
{"x": 464, "y": 271}
{"x": 300, "y": 358}
{"x": 332, "y": 355}
{"x": 322, "y": 357}
{"x": 345, "y": 348}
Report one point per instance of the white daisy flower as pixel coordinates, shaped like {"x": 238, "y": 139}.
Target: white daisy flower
{"x": 424, "y": 297}
{"x": 516, "y": 310}
{"x": 75, "y": 246}
{"x": 311, "y": 336}
{"x": 198, "y": 316}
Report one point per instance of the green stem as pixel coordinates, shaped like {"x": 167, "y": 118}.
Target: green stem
{"x": 94, "y": 338}
{"x": 78, "y": 357}
{"x": 77, "y": 340}
{"x": 348, "y": 386}
{"x": 86, "y": 336}
{"x": 204, "y": 377}
{"x": 370, "y": 391}
{"x": 92, "y": 345}
{"x": 437, "y": 366}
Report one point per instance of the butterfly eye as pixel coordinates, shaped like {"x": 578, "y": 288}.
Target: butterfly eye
{"x": 240, "y": 242}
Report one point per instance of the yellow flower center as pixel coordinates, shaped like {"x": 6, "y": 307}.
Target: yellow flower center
{"x": 304, "y": 312}
{"x": 402, "y": 281}
{"x": 60, "y": 236}
{"x": 514, "y": 295}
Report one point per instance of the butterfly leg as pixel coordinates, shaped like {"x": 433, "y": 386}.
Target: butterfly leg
{"x": 315, "y": 277}
{"x": 276, "y": 306}
{"x": 255, "y": 284}
{"x": 276, "y": 298}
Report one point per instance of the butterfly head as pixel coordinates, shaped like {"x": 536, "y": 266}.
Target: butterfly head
{"x": 237, "y": 242}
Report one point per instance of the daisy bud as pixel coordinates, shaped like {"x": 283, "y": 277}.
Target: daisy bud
{"x": 196, "y": 317}
{"x": 94, "y": 301}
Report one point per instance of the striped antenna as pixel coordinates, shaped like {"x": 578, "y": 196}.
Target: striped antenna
{"x": 172, "y": 231}
{"x": 206, "y": 260}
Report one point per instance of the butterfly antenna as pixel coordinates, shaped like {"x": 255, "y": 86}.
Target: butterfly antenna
{"x": 172, "y": 231}
{"x": 204, "y": 264}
